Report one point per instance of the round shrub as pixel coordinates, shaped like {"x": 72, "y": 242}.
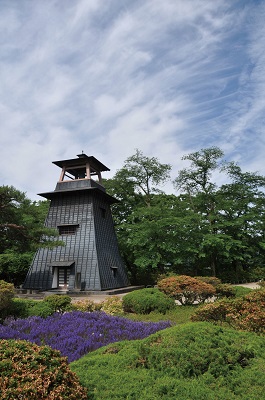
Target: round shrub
{"x": 85, "y": 305}
{"x": 186, "y": 289}
{"x": 28, "y": 371}
{"x": 59, "y": 302}
{"x": 112, "y": 306}
{"x": 7, "y": 293}
{"x": 144, "y": 301}
{"x": 40, "y": 309}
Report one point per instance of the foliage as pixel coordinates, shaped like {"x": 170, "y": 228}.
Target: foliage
{"x": 112, "y": 306}
{"x": 212, "y": 280}
{"x": 14, "y": 266}
{"x": 144, "y": 174}
{"x": 40, "y": 309}
{"x": 241, "y": 291}
{"x": 192, "y": 361}
{"x": 28, "y": 371}
{"x": 77, "y": 333}
{"x": 22, "y": 231}
{"x": 205, "y": 230}
{"x": 58, "y": 302}
{"x": 85, "y": 305}
{"x": 246, "y": 313}
{"x": 7, "y": 292}
{"x": 186, "y": 289}
{"x": 144, "y": 301}
{"x": 225, "y": 290}
{"x": 177, "y": 315}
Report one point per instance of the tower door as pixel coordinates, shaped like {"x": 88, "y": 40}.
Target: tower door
{"x": 63, "y": 277}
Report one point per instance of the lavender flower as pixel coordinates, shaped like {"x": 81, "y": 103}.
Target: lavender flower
{"x": 77, "y": 333}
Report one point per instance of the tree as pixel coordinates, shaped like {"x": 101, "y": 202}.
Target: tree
{"x": 231, "y": 217}
{"x": 22, "y": 231}
{"x": 144, "y": 174}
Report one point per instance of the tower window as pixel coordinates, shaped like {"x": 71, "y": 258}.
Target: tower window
{"x": 67, "y": 229}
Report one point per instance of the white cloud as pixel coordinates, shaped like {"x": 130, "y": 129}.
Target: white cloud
{"x": 166, "y": 77}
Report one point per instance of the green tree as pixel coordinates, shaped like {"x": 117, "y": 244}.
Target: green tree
{"x": 144, "y": 175}
{"x": 231, "y": 217}
{"x": 136, "y": 186}
{"x": 22, "y": 231}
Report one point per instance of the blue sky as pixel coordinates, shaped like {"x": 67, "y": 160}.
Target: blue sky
{"x": 167, "y": 77}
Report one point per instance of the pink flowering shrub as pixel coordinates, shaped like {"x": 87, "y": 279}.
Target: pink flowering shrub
{"x": 246, "y": 313}
{"x": 186, "y": 289}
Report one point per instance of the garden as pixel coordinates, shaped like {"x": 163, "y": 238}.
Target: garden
{"x": 187, "y": 338}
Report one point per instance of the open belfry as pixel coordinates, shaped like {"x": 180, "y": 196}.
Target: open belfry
{"x": 80, "y": 210}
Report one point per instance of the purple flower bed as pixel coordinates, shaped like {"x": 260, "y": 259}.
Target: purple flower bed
{"x": 77, "y": 333}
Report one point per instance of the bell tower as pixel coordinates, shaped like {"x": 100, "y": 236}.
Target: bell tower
{"x": 80, "y": 211}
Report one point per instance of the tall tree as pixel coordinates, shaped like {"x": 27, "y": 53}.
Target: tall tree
{"x": 144, "y": 174}
{"x": 21, "y": 232}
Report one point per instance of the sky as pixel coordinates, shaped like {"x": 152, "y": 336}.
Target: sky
{"x": 107, "y": 77}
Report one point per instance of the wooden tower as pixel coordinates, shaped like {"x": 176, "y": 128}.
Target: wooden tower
{"x": 80, "y": 210}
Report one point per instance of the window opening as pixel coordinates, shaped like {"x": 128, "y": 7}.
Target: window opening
{"x": 67, "y": 229}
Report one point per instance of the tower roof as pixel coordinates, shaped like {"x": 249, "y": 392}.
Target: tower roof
{"x": 82, "y": 159}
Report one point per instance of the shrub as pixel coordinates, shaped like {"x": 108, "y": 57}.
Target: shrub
{"x": 59, "y": 303}
{"x": 20, "y": 307}
{"x": 225, "y": 290}
{"x": 212, "y": 280}
{"x": 28, "y": 371}
{"x": 7, "y": 293}
{"x": 246, "y": 313}
{"x": 40, "y": 309}
{"x": 144, "y": 301}
{"x": 186, "y": 289}
{"x": 84, "y": 305}
{"x": 192, "y": 361}
{"x": 112, "y": 306}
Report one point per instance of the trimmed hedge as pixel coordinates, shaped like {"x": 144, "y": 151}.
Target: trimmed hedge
{"x": 144, "y": 301}
{"x": 28, "y": 371}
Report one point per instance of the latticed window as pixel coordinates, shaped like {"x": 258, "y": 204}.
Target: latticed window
{"x": 67, "y": 229}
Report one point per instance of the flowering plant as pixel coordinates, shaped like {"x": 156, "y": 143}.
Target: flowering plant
{"x": 77, "y": 333}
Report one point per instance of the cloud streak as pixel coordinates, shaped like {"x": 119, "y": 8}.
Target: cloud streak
{"x": 166, "y": 77}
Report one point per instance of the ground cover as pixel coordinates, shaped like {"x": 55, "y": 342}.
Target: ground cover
{"x": 77, "y": 333}
{"x": 192, "y": 361}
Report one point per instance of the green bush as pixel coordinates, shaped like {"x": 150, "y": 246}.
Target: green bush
{"x": 192, "y": 361}
{"x": 7, "y": 293}
{"x": 225, "y": 290}
{"x": 58, "y": 302}
{"x": 40, "y": 309}
{"x": 32, "y": 372}
{"x": 186, "y": 289}
{"x": 20, "y": 307}
{"x": 144, "y": 301}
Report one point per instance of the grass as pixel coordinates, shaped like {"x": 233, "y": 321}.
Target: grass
{"x": 179, "y": 315}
